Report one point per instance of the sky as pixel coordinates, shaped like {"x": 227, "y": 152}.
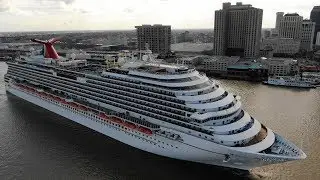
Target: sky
{"x": 57, "y": 15}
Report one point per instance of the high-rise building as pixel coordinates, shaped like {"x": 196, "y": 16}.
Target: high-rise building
{"x": 291, "y": 26}
{"x": 279, "y": 18}
{"x": 266, "y": 33}
{"x": 156, "y": 37}
{"x": 279, "y": 45}
{"x": 307, "y": 35}
{"x": 237, "y": 30}
{"x": 315, "y": 17}
{"x": 318, "y": 39}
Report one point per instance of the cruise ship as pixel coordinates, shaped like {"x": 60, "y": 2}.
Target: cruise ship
{"x": 168, "y": 110}
{"x": 290, "y": 81}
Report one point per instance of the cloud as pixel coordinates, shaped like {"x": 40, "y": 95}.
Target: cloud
{"x": 4, "y": 5}
{"x": 68, "y": 1}
{"x": 128, "y": 10}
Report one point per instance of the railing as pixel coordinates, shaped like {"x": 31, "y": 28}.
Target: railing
{"x": 108, "y": 112}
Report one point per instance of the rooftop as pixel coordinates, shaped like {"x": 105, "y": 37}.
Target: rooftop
{"x": 155, "y": 25}
{"x": 281, "y": 60}
{"x": 316, "y": 8}
{"x": 232, "y": 59}
{"x": 292, "y": 14}
{"x": 248, "y": 65}
{"x": 191, "y": 47}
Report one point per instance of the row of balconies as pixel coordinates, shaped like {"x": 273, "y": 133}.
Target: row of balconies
{"x": 189, "y": 125}
{"x": 170, "y": 120}
{"x": 135, "y": 96}
{"x": 126, "y": 106}
{"x": 133, "y": 83}
{"x": 116, "y": 98}
{"x": 225, "y": 94}
{"x": 160, "y": 89}
{"x": 169, "y": 80}
{"x": 216, "y": 118}
{"x": 160, "y": 98}
{"x": 11, "y": 64}
{"x": 95, "y": 112}
{"x": 157, "y": 97}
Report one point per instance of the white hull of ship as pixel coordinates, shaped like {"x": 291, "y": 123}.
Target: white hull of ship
{"x": 299, "y": 85}
{"x": 188, "y": 150}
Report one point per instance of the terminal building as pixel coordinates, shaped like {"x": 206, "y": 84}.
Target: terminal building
{"x": 282, "y": 66}
{"x": 247, "y": 70}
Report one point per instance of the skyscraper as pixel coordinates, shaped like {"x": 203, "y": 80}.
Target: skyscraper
{"x": 307, "y": 35}
{"x": 291, "y": 26}
{"x": 237, "y": 30}
{"x": 158, "y": 38}
{"x": 318, "y": 39}
{"x": 315, "y": 17}
{"x": 279, "y": 18}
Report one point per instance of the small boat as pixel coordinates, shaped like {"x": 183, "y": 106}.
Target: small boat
{"x": 289, "y": 81}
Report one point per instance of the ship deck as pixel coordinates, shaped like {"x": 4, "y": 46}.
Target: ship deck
{"x": 257, "y": 138}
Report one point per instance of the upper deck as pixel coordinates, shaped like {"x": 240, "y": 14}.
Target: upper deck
{"x": 135, "y": 68}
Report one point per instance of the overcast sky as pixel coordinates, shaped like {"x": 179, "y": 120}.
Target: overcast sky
{"x": 42, "y": 15}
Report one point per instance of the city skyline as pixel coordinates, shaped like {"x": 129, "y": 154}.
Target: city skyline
{"x": 55, "y": 15}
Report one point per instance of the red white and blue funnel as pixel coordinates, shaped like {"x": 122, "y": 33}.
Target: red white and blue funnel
{"x": 48, "y": 49}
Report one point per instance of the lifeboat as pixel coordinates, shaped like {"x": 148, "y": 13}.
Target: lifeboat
{"x": 116, "y": 120}
{"x": 63, "y": 101}
{"x": 57, "y": 99}
{"x": 69, "y": 100}
{"x": 83, "y": 108}
{"x": 32, "y": 90}
{"x": 50, "y": 96}
{"x": 145, "y": 130}
{"x": 129, "y": 125}
{"x": 39, "y": 90}
{"x": 103, "y": 116}
{"x": 73, "y": 104}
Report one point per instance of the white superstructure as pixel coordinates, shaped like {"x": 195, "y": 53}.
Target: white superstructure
{"x": 164, "y": 109}
{"x": 291, "y": 81}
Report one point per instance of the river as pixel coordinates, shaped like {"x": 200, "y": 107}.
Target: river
{"x": 37, "y": 144}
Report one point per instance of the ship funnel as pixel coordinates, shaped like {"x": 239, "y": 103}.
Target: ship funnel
{"x": 49, "y": 51}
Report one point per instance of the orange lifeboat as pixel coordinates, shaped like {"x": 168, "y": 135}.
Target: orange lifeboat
{"x": 63, "y": 101}
{"x": 129, "y": 125}
{"x": 50, "y": 96}
{"x": 57, "y": 99}
{"x": 145, "y": 130}
{"x": 116, "y": 120}
{"x": 73, "y": 104}
{"x": 32, "y": 90}
{"x": 83, "y": 108}
{"x": 103, "y": 116}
